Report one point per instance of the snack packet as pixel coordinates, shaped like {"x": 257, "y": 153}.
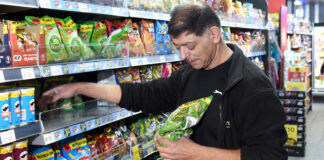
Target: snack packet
{"x": 98, "y": 38}
{"x": 139, "y": 49}
{"x": 57, "y": 151}
{"x": 124, "y": 76}
{"x": 145, "y": 73}
{"x": 147, "y": 32}
{"x": 76, "y": 148}
{"x": 166, "y": 70}
{"x": 6, "y": 152}
{"x": 136, "y": 75}
{"x": 20, "y": 150}
{"x": 44, "y": 153}
{"x": 183, "y": 118}
{"x": 156, "y": 71}
{"x": 114, "y": 46}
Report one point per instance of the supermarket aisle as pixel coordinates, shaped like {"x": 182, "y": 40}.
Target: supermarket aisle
{"x": 314, "y": 133}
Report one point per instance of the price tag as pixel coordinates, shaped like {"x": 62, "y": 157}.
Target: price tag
{"x": 65, "y": 69}
{"x": 98, "y": 123}
{"x": 292, "y": 131}
{"x": 116, "y": 11}
{"x": 45, "y": 3}
{"x": 111, "y": 118}
{"x": 88, "y": 67}
{"x": 67, "y": 132}
{"x": 156, "y": 15}
{"x": 27, "y": 73}
{"x": 7, "y": 136}
{"x": 91, "y": 124}
{"x": 83, "y": 127}
{"x": 49, "y": 138}
{"x": 109, "y": 64}
{"x": 83, "y": 7}
{"x": 46, "y": 71}
{"x": 81, "y": 66}
{"x": 122, "y": 114}
{"x": 58, "y": 135}
{"x": 56, "y": 70}
{"x": 162, "y": 58}
{"x": 75, "y": 129}
{"x": 136, "y": 153}
{"x": 2, "y": 79}
{"x": 96, "y": 65}
{"x": 73, "y": 68}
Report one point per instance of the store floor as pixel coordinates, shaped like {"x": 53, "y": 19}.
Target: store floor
{"x": 314, "y": 132}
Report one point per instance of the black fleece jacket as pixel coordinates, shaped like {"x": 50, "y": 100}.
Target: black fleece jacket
{"x": 250, "y": 117}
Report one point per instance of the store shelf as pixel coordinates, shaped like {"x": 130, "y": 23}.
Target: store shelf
{"x": 59, "y": 124}
{"x": 83, "y": 7}
{"x": 149, "y": 15}
{"x": 242, "y": 25}
{"x": 20, "y": 3}
{"x": 297, "y": 32}
{"x": 81, "y": 67}
{"x": 20, "y": 132}
{"x": 139, "y": 61}
{"x": 19, "y": 73}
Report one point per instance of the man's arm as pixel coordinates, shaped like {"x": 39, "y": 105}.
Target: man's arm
{"x": 185, "y": 149}
{"x": 111, "y": 93}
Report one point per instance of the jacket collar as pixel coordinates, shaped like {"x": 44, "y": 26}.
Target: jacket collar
{"x": 235, "y": 73}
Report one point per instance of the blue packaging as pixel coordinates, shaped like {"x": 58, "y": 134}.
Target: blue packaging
{"x": 76, "y": 148}
{"x": 14, "y": 107}
{"x": 159, "y": 34}
{"x": 167, "y": 45}
{"x": 4, "y": 103}
{"x": 5, "y": 57}
{"x": 27, "y": 104}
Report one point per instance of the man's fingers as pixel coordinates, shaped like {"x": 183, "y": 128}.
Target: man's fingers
{"x": 164, "y": 141}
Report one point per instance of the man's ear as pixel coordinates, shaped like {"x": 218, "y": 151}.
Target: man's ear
{"x": 215, "y": 34}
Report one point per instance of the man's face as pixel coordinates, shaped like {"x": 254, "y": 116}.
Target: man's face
{"x": 198, "y": 51}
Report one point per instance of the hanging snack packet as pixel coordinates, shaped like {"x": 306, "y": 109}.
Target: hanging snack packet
{"x": 44, "y": 153}
{"x": 183, "y": 118}
{"x": 167, "y": 45}
{"x": 138, "y": 47}
{"x": 166, "y": 70}
{"x": 6, "y": 152}
{"x": 20, "y": 150}
{"x": 156, "y": 71}
{"x": 133, "y": 4}
{"x": 146, "y": 73}
{"x": 136, "y": 75}
{"x": 76, "y": 148}
{"x": 55, "y": 50}
{"x": 159, "y": 37}
{"x": 124, "y": 76}
{"x": 99, "y": 38}
{"x": 147, "y": 32}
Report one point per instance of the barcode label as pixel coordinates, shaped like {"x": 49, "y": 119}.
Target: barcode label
{"x": 2, "y": 79}
{"x": 23, "y": 114}
{"x": 45, "y": 3}
{"x": 49, "y": 138}
{"x": 27, "y": 73}
{"x": 83, "y": 7}
{"x": 8, "y": 136}
{"x": 56, "y": 70}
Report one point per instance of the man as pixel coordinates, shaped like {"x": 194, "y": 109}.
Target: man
{"x": 244, "y": 121}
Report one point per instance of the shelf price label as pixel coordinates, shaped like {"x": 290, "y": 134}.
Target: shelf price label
{"x": 65, "y": 69}
{"x": 59, "y": 134}
{"x": 46, "y": 71}
{"x": 27, "y": 73}
{"x": 91, "y": 124}
{"x": 98, "y": 122}
{"x": 7, "y": 136}
{"x": 75, "y": 129}
{"x": 83, "y": 7}
{"x": 292, "y": 132}
{"x": 56, "y": 70}
{"x": 49, "y": 138}
{"x": 2, "y": 79}
{"x": 83, "y": 127}
{"x": 67, "y": 132}
{"x": 111, "y": 118}
{"x": 45, "y": 3}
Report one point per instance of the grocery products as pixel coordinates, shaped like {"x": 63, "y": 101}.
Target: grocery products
{"x": 20, "y": 150}
{"x": 5, "y": 58}
{"x": 4, "y": 103}
{"x": 14, "y": 107}
{"x": 43, "y": 153}
{"x": 76, "y": 148}
{"x": 99, "y": 38}
{"x": 183, "y": 118}
{"x": 148, "y": 38}
{"x": 27, "y": 104}
{"x": 6, "y": 152}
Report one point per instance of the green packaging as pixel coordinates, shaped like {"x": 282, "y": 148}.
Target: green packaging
{"x": 98, "y": 38}
{"x": 114, "y": 47}
{"x": 85, "y": 32}
{"x": 55, "y": 51}
{"x": 181, "y": 120}
{"x": 69, "y": 35}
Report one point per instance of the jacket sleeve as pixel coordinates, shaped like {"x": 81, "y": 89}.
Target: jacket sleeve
{"x": 151, "y": 97}
{"x": 263, "y": 132}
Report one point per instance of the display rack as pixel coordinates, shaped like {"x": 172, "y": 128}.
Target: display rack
{"x": 58, "y": 124}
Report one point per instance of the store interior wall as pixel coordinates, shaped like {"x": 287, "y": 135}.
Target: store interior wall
{"x": 313, "y": 9}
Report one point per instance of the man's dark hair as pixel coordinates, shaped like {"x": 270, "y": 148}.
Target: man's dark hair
{"x": 192, "y": 19}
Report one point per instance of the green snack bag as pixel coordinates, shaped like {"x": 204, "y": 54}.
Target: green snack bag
{"x": 98, "y": 38}
{"x": 85, "y": 32}
{"x": 70, "y": 38}
{"x": 183, "y": 118}
{"x": 114, "y": 46}
{"x": 55, "y": 51}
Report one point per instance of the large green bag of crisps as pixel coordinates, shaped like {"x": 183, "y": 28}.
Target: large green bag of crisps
{"x": 114, "y": 45}
{"x": 69, "y": 35}
{"x": 55, "y": 50}
{"x": 181, "y": 120}
{"x": 99, "y": 38}
{"x": 85, "y": 32}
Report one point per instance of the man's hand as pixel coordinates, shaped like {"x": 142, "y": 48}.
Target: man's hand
{"x": 183, "y": 149}
{"x": 57, "y": 93}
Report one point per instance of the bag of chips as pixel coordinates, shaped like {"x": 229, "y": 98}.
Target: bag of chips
{"x": 156, "y": 71}
{"x": 147, "y": 32}
{"x": 44, "y": 153}
{"x": 98, "y": 38}
{"x": 20, "y": 150}
{"x": 139, "y": 49}
{"x": 76, "y": 148}
{"x": 181, "y": 120}
{"x": 6, "y": 152}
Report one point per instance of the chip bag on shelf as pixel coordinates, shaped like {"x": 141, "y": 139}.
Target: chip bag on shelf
{"x": 85, "y": 32}
{"x": 76, "y": 148}
{"x": 99, "y": 38}
{"x": 147, "y": 34}
{"x": 43, "y": 153}
{"x": 139, "y": 49}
